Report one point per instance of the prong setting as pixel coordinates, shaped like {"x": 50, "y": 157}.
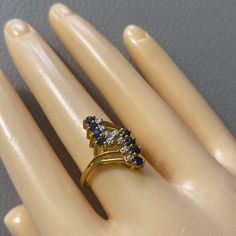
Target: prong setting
{"x": 106, "y": 136}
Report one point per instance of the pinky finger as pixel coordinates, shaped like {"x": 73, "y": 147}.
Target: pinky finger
{"x": 19, "y": 222}
{"x": 172, "y": 85}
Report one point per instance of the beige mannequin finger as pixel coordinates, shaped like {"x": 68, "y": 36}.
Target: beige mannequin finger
{"x": 166, "y": 78}
{"x": 20, "y": 223}
{"x": 66, "y": 103}
{"x": 169, "y": 146}
{"x": 39, "y": 178}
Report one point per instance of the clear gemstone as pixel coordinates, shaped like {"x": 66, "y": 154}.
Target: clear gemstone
{"x": 106, "y": 134}
{"x": 98, "y": 120}
{"x": 110, "y": 141}
{"x": 121, "y": 140}
{"x": 124, "y": 149}
{"x": 130, "y": 158}
{"x": 110, "y": 136}
{"x": 115, "y": 132}
{"x": 102, "y": 127}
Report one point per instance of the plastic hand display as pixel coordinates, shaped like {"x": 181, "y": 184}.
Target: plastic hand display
{"x": 186, "y": 185}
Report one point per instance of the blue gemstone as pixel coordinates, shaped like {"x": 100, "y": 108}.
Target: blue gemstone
{"x": 135, "y": 149}
{"x": 101, "y": 140}
{"x": 138, "y": 161}
{"x": 89, "y": 119}
{"x": 93, "y": 126}
{"x": 129, "y": 141}
{"x": 96, "y": 133}
{"x": 124, "y": 132}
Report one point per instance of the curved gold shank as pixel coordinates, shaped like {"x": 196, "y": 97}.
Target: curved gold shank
{"x": 101, "y": 159}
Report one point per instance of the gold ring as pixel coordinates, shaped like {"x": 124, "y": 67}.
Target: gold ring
{"x": 111, "y": 144}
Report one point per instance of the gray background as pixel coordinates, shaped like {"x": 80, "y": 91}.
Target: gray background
{"x": 199, "y": 35}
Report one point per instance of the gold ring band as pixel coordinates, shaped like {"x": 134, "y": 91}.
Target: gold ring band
{"x": 112, "y": 145}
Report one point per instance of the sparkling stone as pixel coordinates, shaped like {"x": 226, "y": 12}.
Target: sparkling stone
{"x": 97, "y": 133}
{"x": 130, "y": 158}
{"x": 89, "y": 119}
{"x": 114, "y": 132}
{"x": 124, "y": 149}
{"x": 138, "y": 161}
{"x": 101, "y": 127}
{"x": 98, "y": 120}
{"x": 124, "y": 132}
{"x": 121, "y": 140}
{"x": 110, "y": 140}
{"x": 110, "y": 136}
{"x": 135, "y": 149}
{"x": 93, "y": 126}
{"x": 129, "y": 141}
{"x": 101, "y": 141}
{"x": 106, "y": 134}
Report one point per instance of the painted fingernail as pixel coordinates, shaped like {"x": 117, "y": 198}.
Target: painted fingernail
{"x": 60, "y": 10}
{"x": 135, "y": 32}
{"x": 16, "y": 27}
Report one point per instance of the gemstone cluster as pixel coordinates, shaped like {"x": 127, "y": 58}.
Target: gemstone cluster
{"x": 106, "y": 135}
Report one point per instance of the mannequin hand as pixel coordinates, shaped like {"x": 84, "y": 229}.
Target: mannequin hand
{"x": 187, "y": 186}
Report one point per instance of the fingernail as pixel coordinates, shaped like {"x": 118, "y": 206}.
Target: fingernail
{"x": 16, "y": 27}
{"x": 60, "y": 10}
{"x": 135, "y": 32}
